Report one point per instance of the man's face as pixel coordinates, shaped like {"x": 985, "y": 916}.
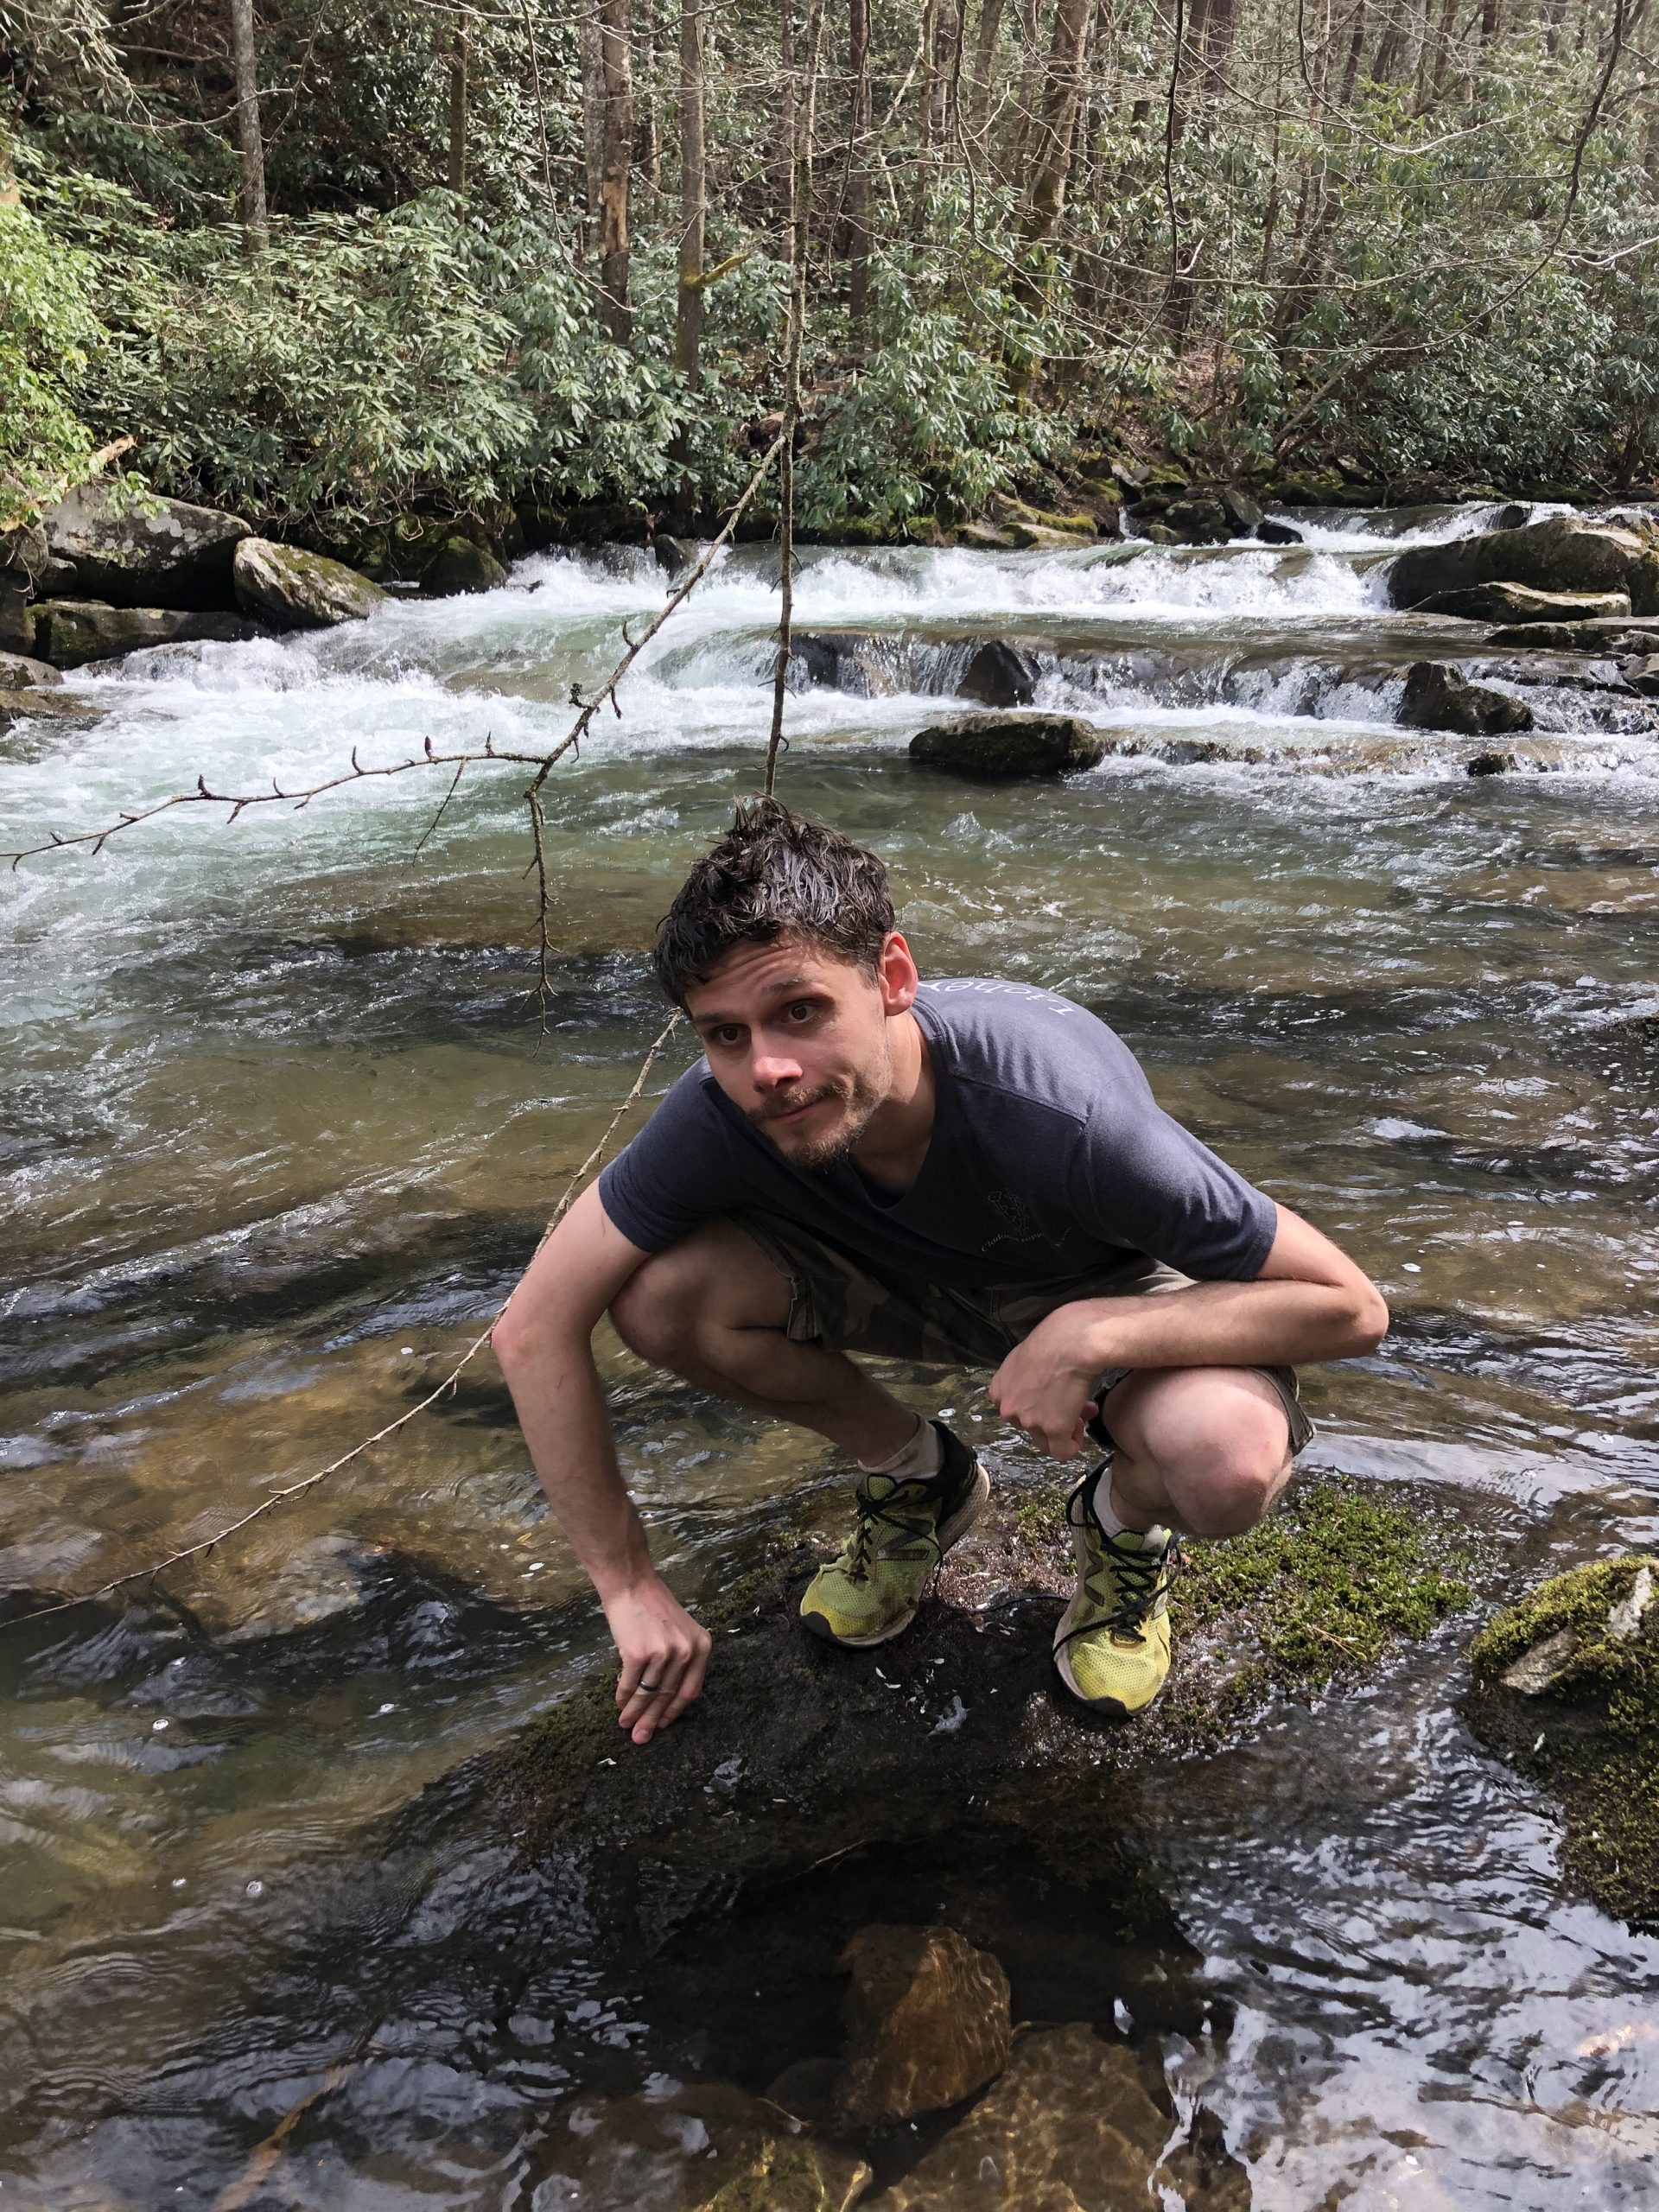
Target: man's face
{"x": 800, "y": 1041}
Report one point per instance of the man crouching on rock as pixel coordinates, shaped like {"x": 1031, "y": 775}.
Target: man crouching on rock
{"x": 968, "y": 1173}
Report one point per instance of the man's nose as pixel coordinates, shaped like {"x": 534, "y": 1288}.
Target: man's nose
{"x": 775, "y": 1071}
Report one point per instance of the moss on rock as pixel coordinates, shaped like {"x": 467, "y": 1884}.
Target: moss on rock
{"x": 798, "y": 1752}
{"x": 1565, "y": 1687}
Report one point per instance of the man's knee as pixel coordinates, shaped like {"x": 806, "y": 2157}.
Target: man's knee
{"x": 655, "y": 1313}
{"x": 683, "y": 1301}
{"x": 1221, "y": 1447}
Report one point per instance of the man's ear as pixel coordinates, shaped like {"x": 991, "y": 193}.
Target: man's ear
{"x": 895, "y": 975}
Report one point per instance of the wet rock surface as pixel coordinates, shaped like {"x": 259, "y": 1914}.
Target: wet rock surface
{"x": 1563, "y": 553}
{"x": 1070, "y": 2127}
{"x": 927, "y": 2024}
{"x": 1440, "y": 697}
{"x": 292, "y": 589}
{"x": 1566, "y": 1686}
{"x": 1519, "y": 604}
{"x": 18, "y": 672}
{"x": 798, "y": 1751}
{"x": 42, "y": 706}
{"x": 997, "y": 747}
{"x": 71, "y": 632}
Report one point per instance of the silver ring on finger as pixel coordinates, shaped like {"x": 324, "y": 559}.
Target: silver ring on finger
{"x": 650, "y": 1688}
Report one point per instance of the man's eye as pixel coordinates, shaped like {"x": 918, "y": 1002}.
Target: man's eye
{"x": 802, "y": 1010}
{"x": 730, "y": 1034}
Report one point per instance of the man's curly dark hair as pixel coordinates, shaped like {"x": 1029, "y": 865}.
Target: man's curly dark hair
{"x": 775, "y": 874}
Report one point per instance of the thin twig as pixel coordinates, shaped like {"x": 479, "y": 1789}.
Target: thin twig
{"x": 309, "y": 1482}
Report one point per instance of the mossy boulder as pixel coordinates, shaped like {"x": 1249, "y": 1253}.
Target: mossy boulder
{"x": 798, "y": 1752}
{"x": 292, "y": 589}
{"x": 70, "y": 632}
{"x": 461, "y": 564}
{"x": 135, "y": 549}
{"x": 1565, "y": 1687}
{"x": 998, "y": 748}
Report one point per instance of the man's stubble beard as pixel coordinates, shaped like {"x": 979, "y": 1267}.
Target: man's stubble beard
{"x": 817, "y": 1156}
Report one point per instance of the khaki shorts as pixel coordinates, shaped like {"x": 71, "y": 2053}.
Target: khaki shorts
{"x": 851, "y": 1306}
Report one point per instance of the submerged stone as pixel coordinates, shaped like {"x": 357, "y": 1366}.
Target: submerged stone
{"x": 1565, "y": 1687}
{"x": 927, "y": 2024}
{"x": 296, "y": 590}
{"x": 1069, "y": 2123}
{"x": 706, "y": 2147}
{"x": 1002, "y": 746}
{"x": 1439, "y": 697}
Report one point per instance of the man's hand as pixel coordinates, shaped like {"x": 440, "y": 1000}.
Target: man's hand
{"x": 664, "y": 1652}
{"x": 1043, "y": 1386}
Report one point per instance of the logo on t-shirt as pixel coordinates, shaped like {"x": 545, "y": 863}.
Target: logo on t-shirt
{"x": 1009, "y": 1206}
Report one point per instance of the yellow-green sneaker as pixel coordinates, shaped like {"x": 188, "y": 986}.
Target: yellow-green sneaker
{"x": 1111, "y": 1648}
{"x": 904, "y": 1527}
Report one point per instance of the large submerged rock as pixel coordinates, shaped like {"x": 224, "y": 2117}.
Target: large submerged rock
{"x": 142, "y": 551}
{"x": 1563, "y": 553}
{"x": 1070, "y": 2124}
{"x": 292, "y": 589}
{"x": 927, "y": 2024}
{"x": 1000, "y": 746}
{"x": 1566, "y": 1686}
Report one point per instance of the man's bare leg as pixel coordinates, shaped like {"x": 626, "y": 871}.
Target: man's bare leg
{"x": 712, "y": 1308}
{"x": 1202, "y": 1450}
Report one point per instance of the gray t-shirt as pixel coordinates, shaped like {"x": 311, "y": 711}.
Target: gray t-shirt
{"x": 1049, "y": 1156}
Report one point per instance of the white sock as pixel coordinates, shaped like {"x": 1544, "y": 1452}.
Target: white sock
{"x": 924, "y": 1455}
{"x": 1152, "y": 1539}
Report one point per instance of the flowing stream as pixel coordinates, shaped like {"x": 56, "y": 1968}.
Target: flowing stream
{"x": 278, "y": 1132}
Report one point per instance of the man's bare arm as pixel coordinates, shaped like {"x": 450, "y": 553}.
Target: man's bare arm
{"x": 543, "y": 1344}
{"x": 1309, "y": 1302}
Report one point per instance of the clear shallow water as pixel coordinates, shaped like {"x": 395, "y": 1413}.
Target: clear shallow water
{"x": 278, "y": 1133}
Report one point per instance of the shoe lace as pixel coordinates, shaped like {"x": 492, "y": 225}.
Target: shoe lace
{"x": 872, "y": 1514}
{"x": 1133, "y": 1576}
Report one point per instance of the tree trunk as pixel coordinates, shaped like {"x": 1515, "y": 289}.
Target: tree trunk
{"x": 1023, "y": 133}
{"x": 244, "y": 64}
{"x": 647, "y": 138}
{"x": 694, "y": 207}
{"x": 858, "y": 174}
{"x": 1356, "y": 47}
{"x": 783, "y": 165}
{"x": 593, "y": 114}
{"x": 1052, "y": 168}
{"x": 616, "y": 164}
{"x": 979, "y": 99}
{"x": 458, "y": 108}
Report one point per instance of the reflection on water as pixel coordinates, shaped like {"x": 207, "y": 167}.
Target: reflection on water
{"x": 278, "y": 1132}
